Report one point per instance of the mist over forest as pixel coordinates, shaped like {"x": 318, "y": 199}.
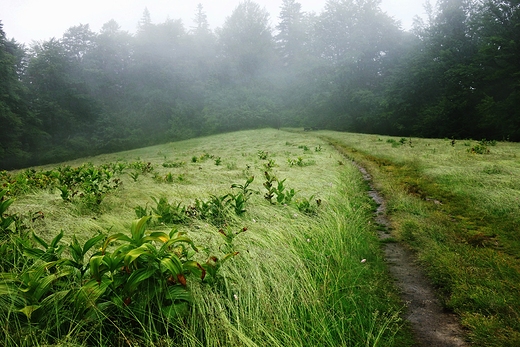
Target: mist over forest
{"x": 349, "y": 68}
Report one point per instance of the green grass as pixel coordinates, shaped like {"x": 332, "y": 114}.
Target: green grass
{"x": 460, "y": 211}
{"x": 297, "y": 279}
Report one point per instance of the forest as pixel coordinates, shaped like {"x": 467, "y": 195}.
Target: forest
{"x": 456, "y": 74}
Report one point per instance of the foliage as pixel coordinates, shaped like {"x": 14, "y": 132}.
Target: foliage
{"x": 349, "y": 67}
{"x": 5, "y": 220}
{"x": 142, "y": 280}
{"x": 73, "y": 283}
{"x": 239, "y": 199}
{"x": 172, "y": 164}
{"x": 458, "y": 225}
{"x": 283, "y": 196}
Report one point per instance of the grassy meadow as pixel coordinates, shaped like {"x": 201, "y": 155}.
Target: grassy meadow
{"x": 254, "y": 238}
{"x": 457, "y": 205}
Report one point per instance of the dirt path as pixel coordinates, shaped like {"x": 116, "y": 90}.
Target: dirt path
{"x": 431, "y": 324}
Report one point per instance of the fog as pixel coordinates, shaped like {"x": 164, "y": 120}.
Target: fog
{"x": 350, "y": 67}
{"x": 28, "y": 20}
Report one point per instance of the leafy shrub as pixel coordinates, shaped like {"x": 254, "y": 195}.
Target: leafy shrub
{"x": 5, "y": 219}
{"x": 270, "y": 165}
{"x": 300, "y": 162}
{"x": 87, "y": 184}
{"x": 278, "y": 190}
{"x": 164, "y": 212}
{"x": 170, "y": 164}
{"x": 141, "y": 281}
{"x": 143, "y": 167}
{"x": 306, "y": 206}
{"x": 485, "y": 142}
{"x": 262, "y": 155}
{"x": 479, "y": 149}
{"x": 239, "y": 200}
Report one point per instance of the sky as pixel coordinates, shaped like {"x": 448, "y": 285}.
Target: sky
{"x": 37, "y": 20}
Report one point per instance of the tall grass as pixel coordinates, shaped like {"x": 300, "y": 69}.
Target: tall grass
{"x": 314, "y": 278}
{"x": 459, "y": 210}
{"x": 303, "y": 283}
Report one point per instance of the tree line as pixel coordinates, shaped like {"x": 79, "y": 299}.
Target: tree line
{"x": 351, "y": 67}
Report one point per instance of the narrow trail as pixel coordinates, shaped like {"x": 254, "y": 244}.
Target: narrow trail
{"x": 432, "y": 325}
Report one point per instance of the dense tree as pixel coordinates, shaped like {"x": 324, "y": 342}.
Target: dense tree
{"x": 292, "y": 34}
{"x": 349, "y": 67}
{"x": 246, "y": 40}
{"x": 14, "y": 113}
{"x": 497, "y": 69}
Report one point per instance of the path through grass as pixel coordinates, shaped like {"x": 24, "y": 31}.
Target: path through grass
{"x": 457, "y": 204}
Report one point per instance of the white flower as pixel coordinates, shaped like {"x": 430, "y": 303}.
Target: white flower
{"x": 235, "y": 296}
{"x": 308, "y": 240}
{"x": 363, "y": 260}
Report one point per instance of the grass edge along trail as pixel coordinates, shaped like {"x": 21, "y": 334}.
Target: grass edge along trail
{"x": 476, "y": 279}
{"x": 300, "y": 279}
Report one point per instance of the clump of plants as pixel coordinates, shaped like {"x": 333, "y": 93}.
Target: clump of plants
{"x": 215, "y": 210}
{"x": 479, "y": 149}
{"x": 143, "y": 167}
{"x": 269, "y": 165}
{"x": 262, "y": 155}
{"x": 239, "y": 199}
{"x": 300, "y": 162}
{"x": 277, "y": 190}
{"x": 87, "y": 184}
{"x": 307, "y": 206}
{"x": 136, "y": 279}
{"x": 173, "y": 164}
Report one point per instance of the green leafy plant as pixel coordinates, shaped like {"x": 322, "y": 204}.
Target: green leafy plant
{"x": 306, "y": 206}
{"x": 394, "y": 142}
{"x": 172, "y": 164}
{"x": 239, "y": 200}
{"x": 143, "y": 167}
{"x": 485, "y": 142}
{"x": 169, "y": 213}
{"x": 262, "y": 155}
{"x": 143, "y": 279}
{"x": 270, "y": 165}
{"x": 5, "y": 219}
{"x": 216, "y": 209}
{"x": 269, "y": 185}
{"x": 169, "y": 177}
{"x": 284, "y": 196}
{"x": 300, "y": 162}
{"x": 278, "y": 190}
{"x": 134, "y": 175}
{"x": 479, "y": 149}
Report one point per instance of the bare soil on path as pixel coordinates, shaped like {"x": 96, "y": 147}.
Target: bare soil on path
{"x": 431, "y": 324}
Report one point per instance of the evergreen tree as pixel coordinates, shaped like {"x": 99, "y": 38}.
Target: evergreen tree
{"x": 15, "y": 116}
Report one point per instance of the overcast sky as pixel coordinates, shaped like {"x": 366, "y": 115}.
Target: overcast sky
{"x": 27, "y": 20}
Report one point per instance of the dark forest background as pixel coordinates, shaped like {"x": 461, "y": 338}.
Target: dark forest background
{"x": 349, "y": 68}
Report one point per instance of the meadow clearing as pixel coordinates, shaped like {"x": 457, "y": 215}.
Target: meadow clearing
{"x": 258, "y": 238}
{"x": 272, "y": 245}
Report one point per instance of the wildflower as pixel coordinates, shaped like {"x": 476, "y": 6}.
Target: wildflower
{"x": 363, "y": 260}
{"x": 235, "y": 296}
